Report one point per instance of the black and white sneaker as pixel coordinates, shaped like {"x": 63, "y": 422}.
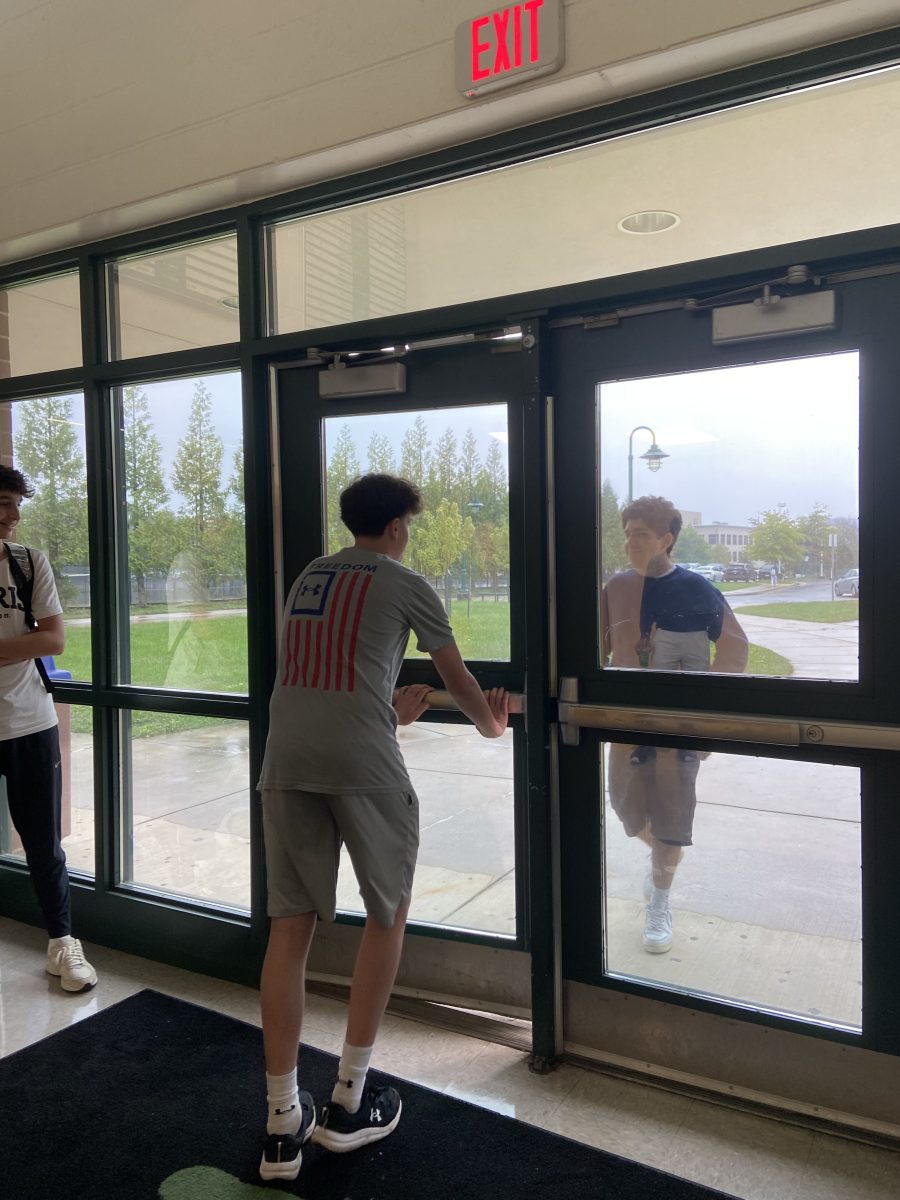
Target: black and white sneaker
{"x": 283, "y": 1152}
{"x": 376, "y": 1117}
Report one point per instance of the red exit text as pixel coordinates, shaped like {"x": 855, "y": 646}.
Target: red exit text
{"x": 500, "y": 46}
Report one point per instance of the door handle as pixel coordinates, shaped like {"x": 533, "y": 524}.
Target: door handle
{"x": 740, "y": 727}
{"x": 674, "y": 723}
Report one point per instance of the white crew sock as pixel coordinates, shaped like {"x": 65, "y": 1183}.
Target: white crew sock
{"x": 659, "y": 898}
{"x": 58, "y": 943}
{"x": 284, "y": 1103}
{"x": 351, "y": 1079}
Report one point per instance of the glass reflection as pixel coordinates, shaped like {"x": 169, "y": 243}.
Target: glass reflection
{"x": 181, "y": 446}
{"x": 186, "y": 829}
{"x": 40, "y": 325}
{"x": 658, "y": 614}
{"x": 460, "y": 543}
{"x": 174, "y": 299}
{"x": 465, "y": 874}
{"x": 738, "y": 452}
{"x": 751, "y": 891}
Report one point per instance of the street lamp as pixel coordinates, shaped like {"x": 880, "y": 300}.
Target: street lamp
{"x": 653, "y": 456}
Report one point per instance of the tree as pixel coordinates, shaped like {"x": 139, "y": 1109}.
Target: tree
{"x": 152, "y": 540}
{"x": 47, "y": 451}
{"x": 343, "y": 468}
{"x": 846, "y": 552}
{"x": 415, "y": 453}
{"x": 232, "y": 538}
{"x": 692, "y": 547}
{"x": 235, "y": 489}
{"x": 197, "y": 473}
{"x": 380, "y": 454}
{"x": 776, "y": 538}
{"x": 197, "y": 476}
{"x": 443, "y": 473}
{"x": 612, "y": 541}
{"x": 493, "y": 491}
{"x": 441, "y": 541}
{"x": 468, "y": 468}
{"x": 815, "y": 528}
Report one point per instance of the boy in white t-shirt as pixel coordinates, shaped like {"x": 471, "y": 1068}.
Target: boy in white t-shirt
{"x": 29, "y": 737}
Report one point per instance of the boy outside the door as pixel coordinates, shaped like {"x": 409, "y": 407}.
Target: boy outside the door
{"x": 653, "y": 791}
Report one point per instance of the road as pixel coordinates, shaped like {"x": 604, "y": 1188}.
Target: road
{"x": 792, "y": 593}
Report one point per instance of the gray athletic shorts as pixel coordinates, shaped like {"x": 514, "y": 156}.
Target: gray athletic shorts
{"x": 304, "y": 832}
{"x": 660, "y": 792}
{"x": 680, "y": 651}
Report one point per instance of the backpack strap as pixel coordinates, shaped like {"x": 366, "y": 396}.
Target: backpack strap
{"x": 21, "y": 567}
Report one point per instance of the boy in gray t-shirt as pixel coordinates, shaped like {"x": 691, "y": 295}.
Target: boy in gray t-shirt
{"x": 333, "y": 774}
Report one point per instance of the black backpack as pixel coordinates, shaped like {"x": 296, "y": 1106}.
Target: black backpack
{"x": 21, "y": 567}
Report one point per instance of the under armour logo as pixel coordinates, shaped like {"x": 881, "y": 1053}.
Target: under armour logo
{"x": 375, "y": 1114}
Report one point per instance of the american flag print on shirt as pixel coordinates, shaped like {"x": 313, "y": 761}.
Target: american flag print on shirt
{"x": 323, "y": 627}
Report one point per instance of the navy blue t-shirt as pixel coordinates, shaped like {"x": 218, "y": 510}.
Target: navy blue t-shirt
{"x": 682, "y": 602}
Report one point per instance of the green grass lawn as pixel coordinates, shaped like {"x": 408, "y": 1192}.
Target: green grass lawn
{"x": 766, "y": 662}
{"x": 211, "y": 655}
{"x": 207, "y": 654}
{"x": 826, "y": 611}
{"x": 732, "y": 587}
{"x": 482, "y": 636}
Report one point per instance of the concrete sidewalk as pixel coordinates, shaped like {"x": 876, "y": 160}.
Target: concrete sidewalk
{"x": 815, "y": 650}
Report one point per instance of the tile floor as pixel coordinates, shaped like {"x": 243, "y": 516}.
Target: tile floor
{"x": 749, "y": 1157}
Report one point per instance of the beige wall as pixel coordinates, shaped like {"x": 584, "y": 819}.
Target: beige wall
{"x": 119, "y": 115}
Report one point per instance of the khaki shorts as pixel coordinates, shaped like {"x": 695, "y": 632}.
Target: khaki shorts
{"x": 304, "y": 832}
{"x": 661, "y": 793}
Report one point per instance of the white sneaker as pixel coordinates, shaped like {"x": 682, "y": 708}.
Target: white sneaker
{"x": 658, "y": 929}
{"x": 74, "y": 971}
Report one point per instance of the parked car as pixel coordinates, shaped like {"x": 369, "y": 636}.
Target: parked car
{"x": 714, "y": 572}
{"x": 740, "y": 573}
{"x": 765, "y": 571}
{"x": 848, "y": 584}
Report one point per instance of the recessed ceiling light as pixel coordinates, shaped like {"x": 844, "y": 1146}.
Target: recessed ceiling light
{"x": 657, "y": 221}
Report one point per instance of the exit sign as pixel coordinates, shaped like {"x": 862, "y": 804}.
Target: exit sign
{"x": 508, "y": 45}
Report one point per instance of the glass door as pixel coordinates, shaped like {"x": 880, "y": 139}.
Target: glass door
{"x": 727, "y": 696}
{"x": 453, "y": 416}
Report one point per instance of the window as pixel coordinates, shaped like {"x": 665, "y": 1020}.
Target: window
{"x": 40, "y": 325}
{"x": 460, "y": 542}
{"x": 174, "y": 299}
{"x": 804, "y": 521}
{"x": 766, "y": 899}
{"x": 181, "y": 447}
{"x": 44, "y": 438}
{"x": 186, "y": 825}
{"x": 465, "y": 874}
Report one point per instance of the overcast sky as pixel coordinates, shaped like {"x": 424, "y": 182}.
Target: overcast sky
{"x": 741, "y": 439}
